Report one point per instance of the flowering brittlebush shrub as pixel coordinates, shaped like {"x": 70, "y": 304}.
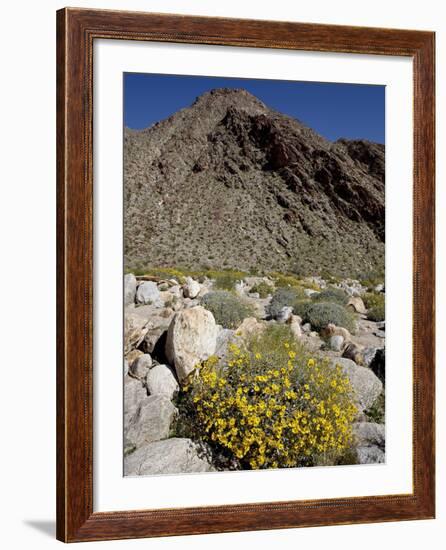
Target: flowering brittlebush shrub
{"x": 272, "y": 405}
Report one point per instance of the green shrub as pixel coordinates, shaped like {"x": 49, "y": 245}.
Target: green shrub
{"x": 375, "y": 304}
{"x": 286, "y": 296}
{"x": 320, "y": 314}
{"x": 263, "y": 289}
{"x": 300, "y": 307}
{"x": 373, "y": 299}
{"x": 331, "y": 294}
{"x": 271, "y": 405}
{"x": 228, "y": 310}
{"x": 282, "y": 280}
{"x": 377, "y": 313}
{"x": 226, "y": 279}
{"x": 372, "y": 278}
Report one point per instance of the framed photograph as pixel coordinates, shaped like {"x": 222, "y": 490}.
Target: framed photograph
{"x": 245, "y": 275}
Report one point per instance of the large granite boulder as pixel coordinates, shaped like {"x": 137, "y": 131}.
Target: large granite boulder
{"x": 191, "y": 338}
{"x": 366, "y": 385}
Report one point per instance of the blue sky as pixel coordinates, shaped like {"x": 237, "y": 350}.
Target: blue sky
{"x": 352, "y": 111}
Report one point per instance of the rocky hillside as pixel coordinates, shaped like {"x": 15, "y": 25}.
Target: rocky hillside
{"x": 229, "y": 182}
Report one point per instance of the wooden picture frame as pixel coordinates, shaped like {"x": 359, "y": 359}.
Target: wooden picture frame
{"x": 76, "y": 31}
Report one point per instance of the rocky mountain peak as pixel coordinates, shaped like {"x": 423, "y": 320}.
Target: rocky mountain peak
{"x": 229, "y": 182}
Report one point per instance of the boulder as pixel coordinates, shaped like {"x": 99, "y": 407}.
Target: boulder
{"x": 191, "y": 338}
{"x": 284, "y": 314}
{"x": 161, "y": 381}
{"x": 366, "y": 385}
{"x": 250, "y": 327}
{"x": 296, "y": 329}
{"x": 148, "y": 293}
{"x": 336, "y": 342}
{"x": 191, "y": 288}
{"x": 171, "y": 456}
{"x": 129, "y": 289}
{"x": 370, "y": 441}
{"x": 134, "y": 395}
{"x": 356, "y": 304}
{"x": 141, "y": 366}
{"x": 151, "y": 421}
{"x": 158, "y": 324}
{"x": 135, "y": 329}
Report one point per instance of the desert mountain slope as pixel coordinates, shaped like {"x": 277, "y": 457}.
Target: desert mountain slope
{"x": 228, "y": 182}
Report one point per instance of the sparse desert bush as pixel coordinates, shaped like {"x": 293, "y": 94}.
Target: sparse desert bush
{"x": 373, "y": 299}
{"x": 372, "y": 278}
{"x": 375, "y": 304}
{"x": 285, "y": 296}
{"x": 331, "y": 294}
{"x": 283, "y": 280}
{"x": 320, "y": 314}
{"x": 226, "y": 279}
{"x": 263, "y": 289}
{"x": 228, "y": 309}
{"x": 376, "y": 413}
{"x": 272, "y": 405}
{"x": 377, "y": 313}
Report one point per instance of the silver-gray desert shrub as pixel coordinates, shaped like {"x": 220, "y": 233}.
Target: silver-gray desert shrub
{"x": 331, "y": 294}
{"x": 319, "y": 315}
{"x": 228, "y": 309}
{"x": 285, "y": 296}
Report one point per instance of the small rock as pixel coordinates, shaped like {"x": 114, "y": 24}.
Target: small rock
{"x": 129, "y": 289}
{"x": 126, "y": 367}
{"x": 356, "y": 304}
{"x": 284, "y": 314}
{"x": 133, "y": 355}
{"x": 368, "y": 354}
{"x": 296, "y": 329}
{"x": 151, "y": 420}
{"x": 336, "y": 342}
{"x": 254, "y": 295}
{"x": 306, "y": 327}
{"x": 161, "y": 381}
{"x": 191, "y": 288}
{"x": 171, "y": 456}
{"x": 191, "y": 338}
{"x": 379, "y": 288}
{"x": 148, "y": 293}
{"x": 310, "y": 292}
{"x": 354, "y": 352}
{"x": 141, "y": 366}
